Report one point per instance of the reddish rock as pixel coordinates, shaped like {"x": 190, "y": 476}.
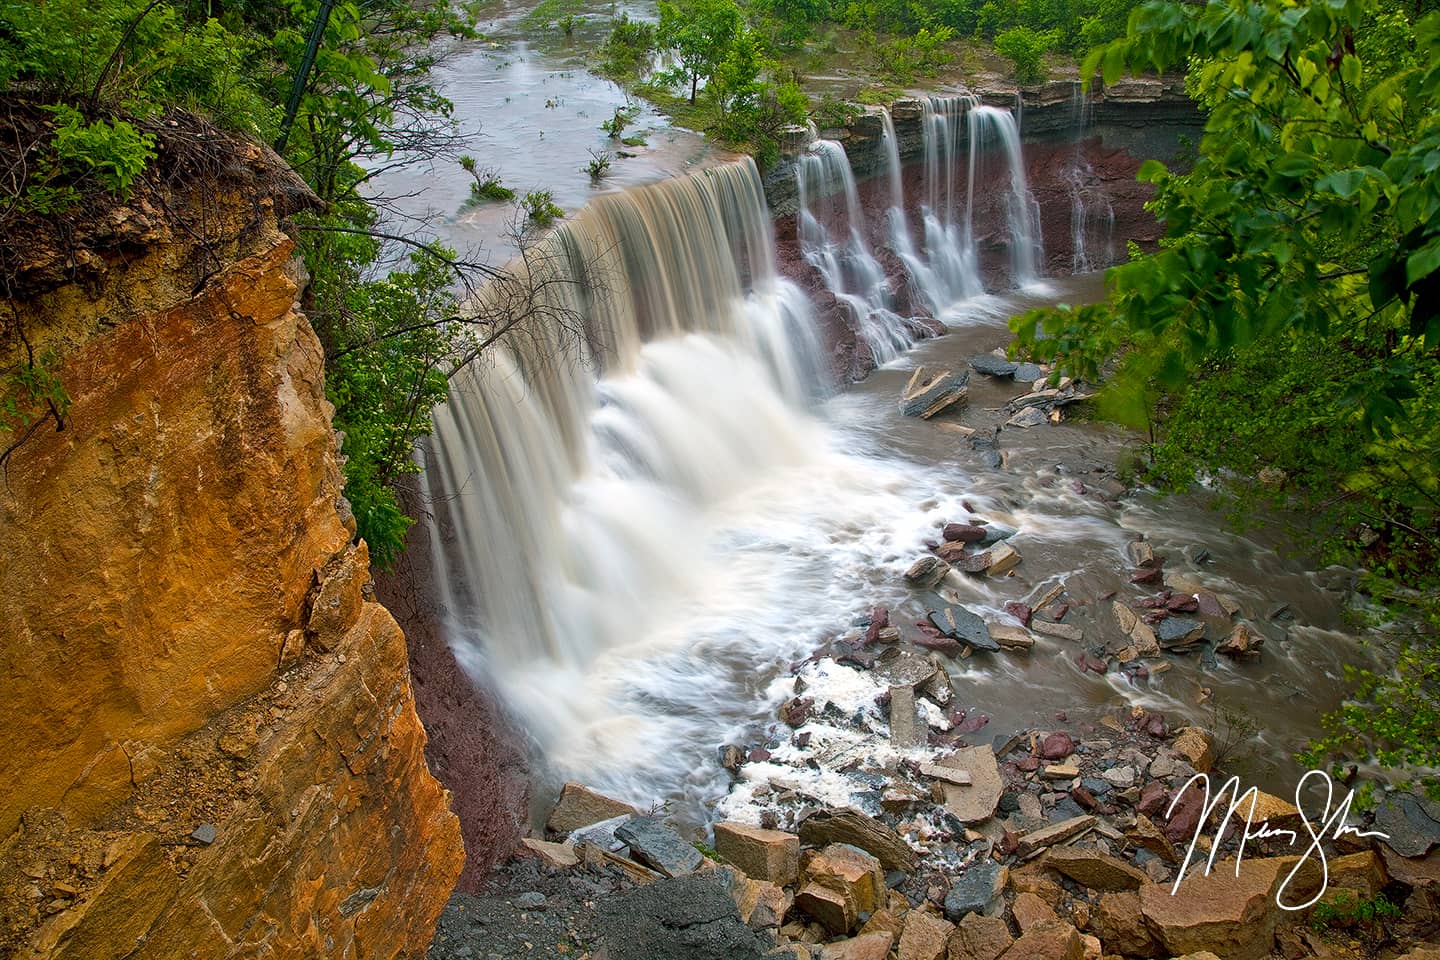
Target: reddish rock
{"x": 1019, "y": 611}
{"x": 964, "y": 532}
{"x": 1057, "y": 746}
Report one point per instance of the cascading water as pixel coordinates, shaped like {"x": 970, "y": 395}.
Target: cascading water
{"x": 832, "y": 240}
{"x": 561, "y": 501}
{"x": 1092, "y": 217}
{"x": 949, "y": 250}
{"x": 1022, "y": 212}
{"x": 923, "y": 279}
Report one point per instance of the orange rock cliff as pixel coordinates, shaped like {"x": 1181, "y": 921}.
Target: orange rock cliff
{"x": 212, "y": 744}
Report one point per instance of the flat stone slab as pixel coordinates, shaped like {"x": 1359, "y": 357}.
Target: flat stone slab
{"x": 959, "y": 623}
{"x": 1053, "y": 834}
{"x": 655, "y": 845}
{"x": 976, "y": 802}
{"x": 991, "y": 365}
{"x": 1411, "y": 829}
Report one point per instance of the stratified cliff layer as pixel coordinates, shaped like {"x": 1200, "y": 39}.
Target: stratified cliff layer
{"x": 213, "y": 749}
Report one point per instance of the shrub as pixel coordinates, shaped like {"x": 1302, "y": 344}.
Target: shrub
{"x": 598, "y": 166}
{"x": 112, "y": 150}
{"x": 487, "y": 186}
{"x": 541, "y": 210}
{"x": 1025, "y": 48}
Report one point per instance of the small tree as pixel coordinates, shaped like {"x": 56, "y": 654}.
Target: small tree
{"x": 1025, "y": 48}
{"x": 701, "y": 33}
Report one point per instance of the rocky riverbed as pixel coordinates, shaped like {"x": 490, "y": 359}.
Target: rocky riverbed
{"x": 880, "y": 813}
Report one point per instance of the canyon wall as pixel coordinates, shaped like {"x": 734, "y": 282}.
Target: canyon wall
{"x": 213, "y": 743}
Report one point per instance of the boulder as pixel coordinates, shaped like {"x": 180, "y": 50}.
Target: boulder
{"x": 762, "y": 854}
{"x": 1179, "y": 632}
{"x": 992, "y": 366}
{"x": 849, "y": 826}
{"x": 848, "y": 871}
{"x": 1094, "y": 869}
{"x": 579, "y": 806}
{"x": 762, "y": 905}
{"x": 655, "y": 845}
{"x": 963, "y": 532}
{"x": 1027, "y": 418}
{"x": 1231, "y": 913}
{"x": 1140, "y": 553}
{"x": 1122, "y": 927}
{"x": 867, "y": 946}
{"x": 1050, "y": 940}
{"x": 1057, "y": 746}
{"x": 1146, "y": 836}
{"x": 1411, "y": 828}
{"x": 1064, "y": 631}
{"x": 978, "y": 937}
{"x": 1003, "y": 559}
{"x": 979, "y": 889}
{"x": 924, "y": 937}
{"x": 1243, "y": 641}
{"x": 1197, "y": 746}
{"x": 832, "y": 909}
{"x": 691, "y": 918}
{"x": 926, "y": 572}
{"x": 1011, "y": 638}
{"x": 927, "y": 395}
{"x": 561, "y": 855}
{"x": 1028, "y": 372}
{"x": 977, "y": 801}
{"x": 1030, "y": 910}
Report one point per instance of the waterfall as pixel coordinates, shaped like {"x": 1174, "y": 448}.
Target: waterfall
{"x": 568, "y": 466}
{"x": 923, "y": 278}
{"x": 1022, "y": 212}
{"x": 832, "y": 239}
{"x": 950, "y": 252}
{"x": 1090, "y": 210}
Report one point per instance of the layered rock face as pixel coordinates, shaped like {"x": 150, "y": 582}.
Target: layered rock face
{"x": 214, "y": 749}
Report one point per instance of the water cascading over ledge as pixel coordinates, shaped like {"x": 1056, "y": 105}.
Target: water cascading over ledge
{"x": 569, "y": 466}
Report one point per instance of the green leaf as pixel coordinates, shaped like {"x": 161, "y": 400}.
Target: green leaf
{"x": 1423, "y": 262}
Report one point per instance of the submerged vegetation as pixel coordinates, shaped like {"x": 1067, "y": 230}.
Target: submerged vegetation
{"x": 1286, "y": 337}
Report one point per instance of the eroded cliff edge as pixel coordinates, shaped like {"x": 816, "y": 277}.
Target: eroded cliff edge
{"x": 213, "y": 744}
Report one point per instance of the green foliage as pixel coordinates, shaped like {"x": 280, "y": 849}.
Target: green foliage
{"x": 113, "y": 151}
{"x": 384, "y": 377}
{"x": 540, "y": 207}
{"x": 1025, "y": 48}
{"x": 617, "y": 123}
{"x": 904, "y": 58}
{"x": 1346, "y": 909}
{"x": 627, "y": 51}
{"x": 1288, "y": 330}
{"x": 599, "y": 165}
{"x": 487, "y": 187}
{"x": 700, "y": 33}
{"x": 833, "y": 113}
